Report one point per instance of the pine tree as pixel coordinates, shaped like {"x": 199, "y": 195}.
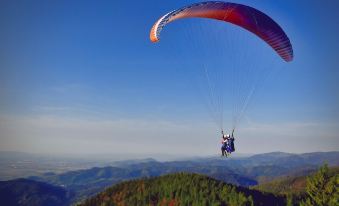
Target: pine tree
{"x": 321, "y": 189}
{"x": 289, "y": 200}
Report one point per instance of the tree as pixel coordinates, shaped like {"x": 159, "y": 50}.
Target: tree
{"x": 322, "y": 189}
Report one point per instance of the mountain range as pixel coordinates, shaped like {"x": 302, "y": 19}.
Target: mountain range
{"x": 244, "y": 172}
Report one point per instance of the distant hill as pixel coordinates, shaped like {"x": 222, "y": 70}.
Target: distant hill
{"x": 85, "y": 183}
{"x": 289, "y": 160}
{"x": 289, "y": 185}
{"x": 22, "y": 192}
{"x": 181, "y": 189}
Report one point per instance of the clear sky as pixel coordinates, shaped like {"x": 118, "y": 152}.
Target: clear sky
{"x": 83, "y": 77}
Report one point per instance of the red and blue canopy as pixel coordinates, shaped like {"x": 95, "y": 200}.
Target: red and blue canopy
{"x": 246, "y": 17}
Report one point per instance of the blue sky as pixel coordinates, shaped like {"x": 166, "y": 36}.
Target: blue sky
{"x": 84, "y": 73}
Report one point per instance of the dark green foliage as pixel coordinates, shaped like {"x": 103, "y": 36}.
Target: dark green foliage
{"x": 181, "y": 189}
{"x": 284, "y": 185}
{"x": 291, "y": 184}
{"x": 295, "y": 187}
{"x": 28, "y": 192}
{"x": 322, "y": 189}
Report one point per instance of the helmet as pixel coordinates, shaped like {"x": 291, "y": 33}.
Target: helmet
{"x": 224, "y": 136}
{"x": 227, "y": 135}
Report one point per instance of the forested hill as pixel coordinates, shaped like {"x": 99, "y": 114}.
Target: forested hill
{"x": 181, "y": 189}
{"x": 290, "y": 184}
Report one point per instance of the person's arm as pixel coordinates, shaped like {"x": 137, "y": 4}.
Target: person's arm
{"x": 233, "y": 133}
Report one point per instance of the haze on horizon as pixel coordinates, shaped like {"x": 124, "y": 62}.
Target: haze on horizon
{"x": 81, "y": 77}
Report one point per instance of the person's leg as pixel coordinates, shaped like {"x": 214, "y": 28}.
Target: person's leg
{"x": 228, "y": 150}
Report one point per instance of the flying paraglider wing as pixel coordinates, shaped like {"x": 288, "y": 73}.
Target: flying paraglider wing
{"x": 244, "y": 16}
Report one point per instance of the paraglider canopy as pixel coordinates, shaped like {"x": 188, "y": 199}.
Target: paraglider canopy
{"x": 246, "y": 17}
